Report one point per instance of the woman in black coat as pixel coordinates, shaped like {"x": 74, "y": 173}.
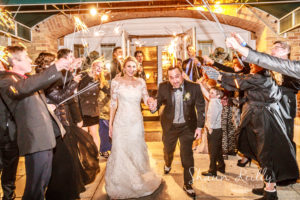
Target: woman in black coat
{"x": 88, "y": 101}
{"x": 75, "y": 161}
{"x": 262, "y": 133}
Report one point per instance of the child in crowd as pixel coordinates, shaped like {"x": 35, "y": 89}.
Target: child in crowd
{"x": 214, "y": 130}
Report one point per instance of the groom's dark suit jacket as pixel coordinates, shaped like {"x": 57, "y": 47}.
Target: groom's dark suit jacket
{"x": 193, "y": 105}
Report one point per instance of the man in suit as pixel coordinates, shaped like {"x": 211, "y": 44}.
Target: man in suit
{"x": 190, "y": 66}
{"x": 180, "y": 120}
{"x": 9, "y": 152}
{"x": 116, "y": 63}
{"x": 139, "y": 55}
{"x": 36, "y": 125}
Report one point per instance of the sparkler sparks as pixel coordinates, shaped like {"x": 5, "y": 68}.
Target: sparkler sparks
{"x": 4, "y": 55}
{"x": 236, "y": 84}
{"x": 6, "y": 19}
{"x": 172, "y": 50}
{"x": 80, "y": 26}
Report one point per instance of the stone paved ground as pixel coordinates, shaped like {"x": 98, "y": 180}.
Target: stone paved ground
{"x": 236, "y": 184}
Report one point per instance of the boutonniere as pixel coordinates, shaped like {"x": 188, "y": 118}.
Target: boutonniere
{"x": 187, "y": 96}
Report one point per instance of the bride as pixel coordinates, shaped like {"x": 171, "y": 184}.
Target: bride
{"x": 128, "y": 172}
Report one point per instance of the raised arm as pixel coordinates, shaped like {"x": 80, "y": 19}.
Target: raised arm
{"x": 113, "y": 104}
{"x": 57, "y": 95}
{"x": 204, "y": 91}
{"x": 283, "y": 66}
{"x": 224, "y": 68}
{"x": 233, "y": 82}
{"x": 18, "y": 89}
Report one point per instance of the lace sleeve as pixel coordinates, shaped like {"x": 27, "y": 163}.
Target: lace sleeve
{"x": 114, "y": 94}
{"x": 145, "y": 94}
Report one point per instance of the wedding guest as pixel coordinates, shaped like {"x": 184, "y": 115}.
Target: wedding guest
{"x": 262, "y": 133}
{"x": 75, "y": 162}
{"x": 43, "y": 61}
{"x": 116, "y": 63}
{"x": 191, "y": 65}
{"x": 88, "y": 101}
{"x": 209, "y": 83}
{"x": 36, "y": 125}
{"x": 213, "y": 125}
{"x": 104, "y": 107}
{"x": 9, "y": 152}
{"x": 283, "y": 66}
{"x": 139, "y": 55}
{"x": 179, "y": 62}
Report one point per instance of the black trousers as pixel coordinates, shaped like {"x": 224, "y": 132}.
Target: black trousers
{"x": 289, "y": 103}
{"x": 214, "y": 141}
{"x": 9, "y": 156}
{"x": 38, "y": 171}
{"x": 186, "y": 138}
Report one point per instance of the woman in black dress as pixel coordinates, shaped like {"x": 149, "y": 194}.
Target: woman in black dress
{"x": 75, "y": 161}
{"x": 262, "y": 133}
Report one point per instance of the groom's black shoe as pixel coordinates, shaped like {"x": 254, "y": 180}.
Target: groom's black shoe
{"x": 167, "y": 169}
{"x": 221, "y": 169}
{"x": 189, "y": 190}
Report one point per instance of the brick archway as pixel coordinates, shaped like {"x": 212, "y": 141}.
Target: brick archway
{"x": 46, "y": 37}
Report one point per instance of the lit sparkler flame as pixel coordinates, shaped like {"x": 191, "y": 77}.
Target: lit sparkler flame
{"x": 4, "y": 55}
{"x": 80, "y": 26}
{"x": 236, "y": 84}
{"x": 172, "y": 50}
{"x": 6, "y": 19}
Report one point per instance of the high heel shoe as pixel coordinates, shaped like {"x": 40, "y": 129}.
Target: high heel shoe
{"x": 269, "y": 196}
{"x": 243, "y": 164}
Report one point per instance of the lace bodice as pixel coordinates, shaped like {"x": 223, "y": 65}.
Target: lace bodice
{"x": 128, "y": 92}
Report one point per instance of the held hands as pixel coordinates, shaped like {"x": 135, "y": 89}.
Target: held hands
{"x": 198, "y": 133}
{"x": 152, "y": 103}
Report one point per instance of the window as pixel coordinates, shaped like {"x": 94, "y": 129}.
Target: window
{"x": 107, "y": 50}
{"x": 204, "y": 47}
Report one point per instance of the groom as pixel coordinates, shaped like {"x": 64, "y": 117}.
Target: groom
{"x": 180, "y": 120}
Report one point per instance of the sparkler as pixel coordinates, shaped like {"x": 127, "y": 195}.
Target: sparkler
{"x": 4, "y": 55}
{"x": 6, "y": 19}
{"x": 80, "y": 26}
{"x": 236, "y": 84}
{"x": 172, "y": 50}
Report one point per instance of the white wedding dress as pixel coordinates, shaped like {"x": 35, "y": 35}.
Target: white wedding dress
{"x": 128, "y": 172}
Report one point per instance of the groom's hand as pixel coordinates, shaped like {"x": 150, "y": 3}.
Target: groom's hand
{"x": 152, "y": 103}
{"x": 198, "y": 133}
